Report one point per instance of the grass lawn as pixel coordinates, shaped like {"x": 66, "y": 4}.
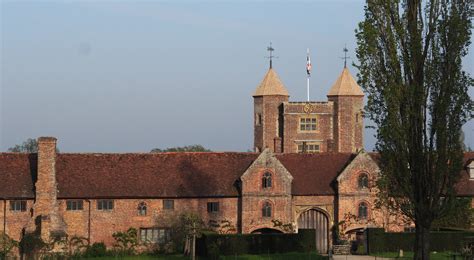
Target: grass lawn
{"x": 409, "y": 255}
{"x": 285, "y": 256}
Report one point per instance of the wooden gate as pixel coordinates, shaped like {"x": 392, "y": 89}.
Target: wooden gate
{"x": 315, "y": 219}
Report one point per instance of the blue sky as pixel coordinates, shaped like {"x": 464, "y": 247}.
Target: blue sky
{"x": 123, "y": 76}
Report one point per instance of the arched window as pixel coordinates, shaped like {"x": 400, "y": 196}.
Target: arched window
{"x": 363, "y": 181}
{"x": 363, "y": 211}
{"x": 267, "y": 210}
{"x": 141, "y": 209}
{"x": 267, "y": 180}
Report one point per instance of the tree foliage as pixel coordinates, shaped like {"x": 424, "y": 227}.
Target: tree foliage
{"x": 28, "y": 146}
{"x": 126, "y": 242}
{"x": 410, "y": 55}
{"x": 187, "y": 148}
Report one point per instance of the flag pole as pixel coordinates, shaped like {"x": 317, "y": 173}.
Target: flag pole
{"x": 307, "y": 86}
{"x": 308, "y": 72}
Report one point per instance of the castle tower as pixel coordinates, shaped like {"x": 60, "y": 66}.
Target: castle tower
{"x": 348, "y": 126}
{"x": 268, "y": 113}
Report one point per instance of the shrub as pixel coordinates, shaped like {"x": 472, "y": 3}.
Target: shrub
{"x": 126, "y": 242}
{"x": 96, "y": 250}
{"x": 380, "y": 241}
{"x": 6, "y": 245}
{"x": 31, "y": 244}
{"x": 213, "y": 245}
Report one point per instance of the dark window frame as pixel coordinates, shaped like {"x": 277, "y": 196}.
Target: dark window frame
{"x": 363, "y": 210}
{"x": 158, "y": 235}
{"x": 142, "y": 209}
{"x": 74, "y": 205}
{"x": 363, "y": 181}
{"x": 18, "y": 205}
{"x": 168, "y": 204}
{"x": 213, "y": 207}
{"x": 267, "y": 209}
{"x": 105, "y": 205}
{"x": 267, "y": 180}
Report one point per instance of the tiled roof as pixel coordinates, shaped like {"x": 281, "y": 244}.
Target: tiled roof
{"x": 271, "y": 85}
{"x": 17, "y": 175}
{"x": 150, "y": 174}
{"x": 345, "y": 85}
{"x": 314, "y": 174}
{"x": 172, "y": 174}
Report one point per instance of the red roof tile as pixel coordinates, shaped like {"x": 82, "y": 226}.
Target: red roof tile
{"x": 151, "y": 174}
{"x": 314, "y": 174}
{"x": 17, "y": 175}
{"x": 173, "y": 174}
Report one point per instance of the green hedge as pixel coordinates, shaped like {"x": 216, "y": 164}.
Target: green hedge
{"x": 213, "y": 245}
{"x": 380, "y": 241}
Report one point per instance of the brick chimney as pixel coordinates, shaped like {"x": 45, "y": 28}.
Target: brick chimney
{"x": 46, "y": 219}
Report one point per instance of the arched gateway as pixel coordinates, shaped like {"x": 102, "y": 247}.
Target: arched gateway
{"x": 317, "y": 220}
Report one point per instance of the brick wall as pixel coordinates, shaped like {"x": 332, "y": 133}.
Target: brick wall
{"x": 254, "y": 195}
{"x": 14, "y": 221}
{"x": 348, "y": 123}
{"x": 269, "y": 107}
{"x": 125, "y": 215}
{"x": 293, "y": 111}
{"x": 351, "y": 195}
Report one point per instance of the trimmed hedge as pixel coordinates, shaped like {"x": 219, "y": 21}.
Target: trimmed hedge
{"x": 380, "y": 241}
{"x": 213, "y": 245}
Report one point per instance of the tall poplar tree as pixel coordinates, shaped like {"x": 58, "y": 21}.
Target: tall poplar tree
{"x": 410, "y": 55}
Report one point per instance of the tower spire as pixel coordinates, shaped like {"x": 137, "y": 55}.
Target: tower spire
{"x": 270, "y": 49}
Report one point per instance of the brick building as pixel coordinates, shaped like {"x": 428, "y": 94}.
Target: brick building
{"x": 309, "y": 171}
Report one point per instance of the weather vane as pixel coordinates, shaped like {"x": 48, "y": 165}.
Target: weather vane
{"x": 345, "y": 50}
{"x": 270, "y": 50}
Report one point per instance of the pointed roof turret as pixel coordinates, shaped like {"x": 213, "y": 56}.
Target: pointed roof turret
{"x": 345, "y": 85}
{"x": 271, "y": 86}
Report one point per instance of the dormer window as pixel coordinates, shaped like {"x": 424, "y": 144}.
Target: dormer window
{"x": 267, "y": 180}
{"x": 363, "y": 181}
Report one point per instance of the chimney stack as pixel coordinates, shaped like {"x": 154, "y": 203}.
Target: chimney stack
{"x": 46, "y": 219}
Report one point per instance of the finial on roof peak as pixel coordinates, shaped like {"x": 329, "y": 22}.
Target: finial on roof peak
{"x": 270, "y": 49}
{"x": 345, "y": 50}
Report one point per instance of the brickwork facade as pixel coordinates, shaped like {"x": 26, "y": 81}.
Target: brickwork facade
{"x": 274, "y": 190}
{"x": 338, "y": 125}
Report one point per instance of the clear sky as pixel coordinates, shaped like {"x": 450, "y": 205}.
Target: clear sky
{"x": 123, "y": 76}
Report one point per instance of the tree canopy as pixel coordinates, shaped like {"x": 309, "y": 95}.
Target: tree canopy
{"x": 28, "y": 146}
{"x": 187, "y": 148}
{"x": 410, "y": 65}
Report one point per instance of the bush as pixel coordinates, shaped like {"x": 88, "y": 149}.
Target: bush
{"x": 213, "y": 245}
{"x": 380, "y": 241}
{"x": 96, "y": 250}
{"x": 31, "y": 244}
{"x": 6, "y": 245}
{"x": 126, "y": 242}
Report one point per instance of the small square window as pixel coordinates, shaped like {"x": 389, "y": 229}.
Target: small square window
{"x": 74, "y": 205}
{"x": 212, "y": 207}
{"x": 308, "y": 124}
{"x": 168, "y": 204}
{"x": 18, "y": 205}
{"x": 105, "y": 204}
